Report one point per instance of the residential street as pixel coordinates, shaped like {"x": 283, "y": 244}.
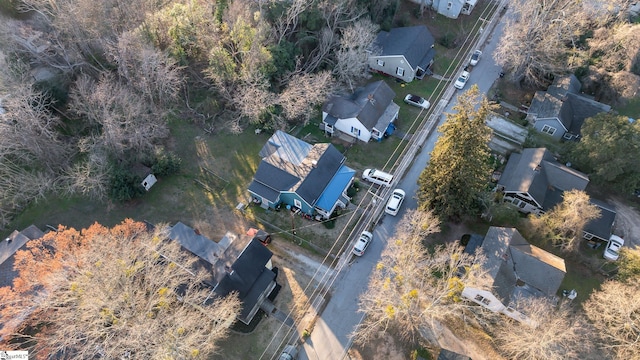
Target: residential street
{"x": 330, "y": 337}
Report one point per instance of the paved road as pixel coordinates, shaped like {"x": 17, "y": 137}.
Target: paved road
{"x": 330, "y": 337}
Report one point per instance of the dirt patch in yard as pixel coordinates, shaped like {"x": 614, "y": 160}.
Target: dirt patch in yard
{"x": 627, "y": 223}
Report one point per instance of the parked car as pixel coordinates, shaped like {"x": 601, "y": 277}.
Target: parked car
{"x": 416, "y": 100}
{"x": 290, "y": 352}
{"x": 377, "y": 177}
{"x": 363, "y": 243}
{"x": 475, "y": 57}
{"x": 462, "y": 80}
{"x": 612, "y": 251}
{"x": 393, "y": 206}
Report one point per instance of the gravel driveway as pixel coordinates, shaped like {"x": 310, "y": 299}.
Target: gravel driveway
{"x": 627, "y": 222}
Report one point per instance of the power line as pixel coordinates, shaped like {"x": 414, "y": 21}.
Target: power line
{"x": 423, "y": 128}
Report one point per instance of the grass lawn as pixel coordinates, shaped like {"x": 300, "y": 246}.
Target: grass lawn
{"x": 631, "y": 108}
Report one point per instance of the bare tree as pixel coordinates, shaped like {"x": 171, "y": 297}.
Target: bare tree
{"x": 554, "y": 333}
{"x": 613, "y": 311}
{"x": 303, "y": 92}
{"x": 411, "y": 288}
{"x": 536, "y": 35}
{"x": 153, "y": 74}
{"x": 28, "y": 132}
{"x": 563, "y": 225}
{"x": 128, "y": 123}
{"x": 116, "y": 293}
{"x": 352, "y": 55}
{"x": 286, "y": 24}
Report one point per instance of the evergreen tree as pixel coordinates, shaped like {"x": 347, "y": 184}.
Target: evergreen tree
{"x": 459, "y": 169}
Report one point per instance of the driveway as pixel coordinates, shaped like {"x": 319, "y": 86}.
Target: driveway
{"x": 627, "y": 223}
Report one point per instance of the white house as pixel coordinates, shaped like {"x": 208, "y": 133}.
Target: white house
{"x": 367, "y": 114}
{"x": 449, "y": 8}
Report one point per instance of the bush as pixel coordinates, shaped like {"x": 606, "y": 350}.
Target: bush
{"x": 124, "y": 185}
{"x": 448, "y": 40}
{"x": 166, "y": 164}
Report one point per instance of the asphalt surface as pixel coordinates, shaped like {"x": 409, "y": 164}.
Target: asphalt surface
{"x": 330, "y": 338}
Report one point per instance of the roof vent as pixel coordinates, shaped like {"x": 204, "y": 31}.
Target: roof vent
{"x": 314, "y": 163}
{"x": 537, "y": 169}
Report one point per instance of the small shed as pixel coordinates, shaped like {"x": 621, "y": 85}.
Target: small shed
{"x": 506, "y": 136}
{"x": 149, "y": 181}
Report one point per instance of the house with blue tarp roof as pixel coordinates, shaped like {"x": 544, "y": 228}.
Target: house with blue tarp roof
{"x": 308, "y": 178}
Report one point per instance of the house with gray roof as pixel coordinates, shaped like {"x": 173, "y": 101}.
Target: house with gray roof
{"x": 561, "y": 110}
{"x": 366, "y": 114}
{"x": 405, "y": 53}
{"x": 309, "y": 178}
{"x": 234, "y": 264}
{"x": 518, "y": 270}
{"x": 534, "y": 181}
{"x": 600, "y": 229}
{"x": 17, "y": 240}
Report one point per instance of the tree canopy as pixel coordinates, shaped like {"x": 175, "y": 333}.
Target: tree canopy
{"x": 614, "y": 311}
{"x": 564, "y": 223}
{"x": 104, "y": 292}
{"x": 459, "y": 168}
{"x": 541, "y": 39}
{"x": 553, "y": 333}
{"x": 604, "y": 151}
{"x": 412, "y": 287}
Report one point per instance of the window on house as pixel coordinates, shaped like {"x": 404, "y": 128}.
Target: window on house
{"x": 380, "y": 63}
{"x": 568, "y": 136}
{"x": 297, "y": 203}
{"x": 522, "y": 205}
{"x": 400, "y": 71}
{"x": 482, "y": 299}
{"x": 355, "y": 131}
{"x": 588, "y": 236}
{"x": 548, "y": 130}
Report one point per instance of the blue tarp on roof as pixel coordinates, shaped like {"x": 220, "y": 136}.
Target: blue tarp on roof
{"x": 333, "y": 190}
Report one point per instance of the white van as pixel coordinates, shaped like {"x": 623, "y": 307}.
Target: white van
{"x": 377, "y": 177}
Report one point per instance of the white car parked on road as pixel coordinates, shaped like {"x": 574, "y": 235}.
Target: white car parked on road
{"x": 475, "y": 57}
{"x": 393, "y": 206}
{"x": 363, "y": 243}
{"x": 462, "y": 80}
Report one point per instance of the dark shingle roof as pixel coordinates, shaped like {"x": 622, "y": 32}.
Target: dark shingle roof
{"x": 602, "y": 226}
{"x": 320, "y": 176}
{"x": 536, "y": 172}
{"x": 563, "y": 100}
{"x": 285, "y": 169}
{"x": 269, "y": 181}
{"x": 367, "y": 104}
{"x": 519, "y": 268}
{"x": 414, "y": 42}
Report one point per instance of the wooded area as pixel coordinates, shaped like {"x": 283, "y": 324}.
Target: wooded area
{"x": 113, "y": 293}
{"x": 88, "y": 87}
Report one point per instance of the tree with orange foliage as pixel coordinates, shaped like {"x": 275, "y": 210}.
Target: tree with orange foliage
{"x": 123, "y": 292}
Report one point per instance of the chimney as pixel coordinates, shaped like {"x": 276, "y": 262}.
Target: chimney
{"x": 314, "y": 163}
